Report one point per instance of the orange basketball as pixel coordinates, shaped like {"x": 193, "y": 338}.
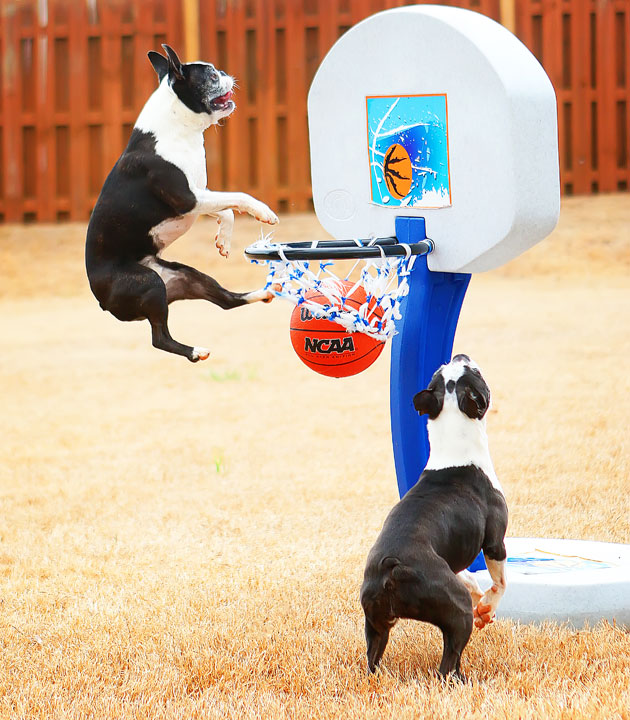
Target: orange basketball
{"x": 327, "y": 347}
{"x": 398, "y": 171}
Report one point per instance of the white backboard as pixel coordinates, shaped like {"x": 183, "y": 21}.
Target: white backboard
{"x": 437, "y": 112}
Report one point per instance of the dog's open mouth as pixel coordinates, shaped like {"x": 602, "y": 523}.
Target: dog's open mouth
{"x": 223, "y": 101}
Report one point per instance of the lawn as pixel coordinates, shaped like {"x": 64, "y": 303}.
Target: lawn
{"x": 188, "y": 541}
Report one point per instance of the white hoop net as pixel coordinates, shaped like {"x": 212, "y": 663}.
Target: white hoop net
{"x": 384, "y": 280}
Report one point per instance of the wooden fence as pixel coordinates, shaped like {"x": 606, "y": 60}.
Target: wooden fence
{"x": 584, "y": 47}
{"x": 75, "y": 75}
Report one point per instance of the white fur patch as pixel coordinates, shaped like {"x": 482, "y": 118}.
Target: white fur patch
{"x": 178, "y": 131}
{"x": 164, "y": 272}
{"x": 455, "y": 369}
{"x": 455, "y": 439}
{"x": 493, "y": 595}
{"x": 200, "y": 353}
{"x": 258, "y": 295}
{"x": 470, "y": 581}
{"x": 168, "y": 231}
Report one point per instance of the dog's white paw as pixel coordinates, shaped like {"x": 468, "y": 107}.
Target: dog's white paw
{"x": 271, "y": 293}
{"x": 200, "y": 353}
{"x": 223, "y": 243}
{"x": 483, "y": 614}
{"x": 223, "y": 239}
{"x": 263, "y": 295}
{"x": 262, "y": 213}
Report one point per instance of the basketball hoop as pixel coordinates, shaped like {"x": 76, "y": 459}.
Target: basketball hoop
{"x": 296, "y": 268}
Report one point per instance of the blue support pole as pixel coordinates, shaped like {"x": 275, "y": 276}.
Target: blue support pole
{"x": 423, "y": 343}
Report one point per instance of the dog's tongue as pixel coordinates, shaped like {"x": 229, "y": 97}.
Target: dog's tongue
{"x": 224, "y": 98}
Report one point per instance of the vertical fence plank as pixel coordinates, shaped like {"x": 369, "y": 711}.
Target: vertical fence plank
{"x": 59, "y": 91}
{"x": 603, "y": 61}
{"x": 46, "y": 156}
{"x": 577, "y": 67}
{"x": 111, "y": 105}
{"x": 236, "y": 129}
{"x": 145, "y": 77}
{"x": 266, "y": 136}
{"x": 12, "y": 135}
{"x": 79, "y": 78}
{"x": 623, "y": 85}
{"x": 208, "y": 51}
{"x": 296, "y": 140}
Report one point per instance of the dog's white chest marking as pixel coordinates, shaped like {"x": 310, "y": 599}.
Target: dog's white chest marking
{"x": 178, "y": 133}
{"x": 456, "y": 440}
{"x": 186, "y": 150}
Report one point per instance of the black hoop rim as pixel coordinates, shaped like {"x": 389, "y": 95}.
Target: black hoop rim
{"x": 341, "y": 250}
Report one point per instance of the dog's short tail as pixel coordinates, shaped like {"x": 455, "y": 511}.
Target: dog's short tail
{"x": 379, "y": 593}
{"x": 389, "y": 567}
{"x": 394, "y": 572}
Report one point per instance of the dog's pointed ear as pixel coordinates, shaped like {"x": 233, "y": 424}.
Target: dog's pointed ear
{"x": 426, "y": 403}
{"x": 472, "y": 403}
{"x": 159, "y": 62}
{"x": 175, "y": 68}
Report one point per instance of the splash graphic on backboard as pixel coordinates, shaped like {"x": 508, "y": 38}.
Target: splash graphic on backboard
{"x": 408, "y": 151}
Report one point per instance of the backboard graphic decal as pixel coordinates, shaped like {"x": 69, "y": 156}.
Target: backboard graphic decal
{"x": 407, "y": 140}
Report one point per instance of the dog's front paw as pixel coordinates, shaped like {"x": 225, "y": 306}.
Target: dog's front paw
{"x": 223, "y": 244}
{"x": 225, "y": 222}
{"x": 262, "y": 213}
{"x": 483, "y": 615}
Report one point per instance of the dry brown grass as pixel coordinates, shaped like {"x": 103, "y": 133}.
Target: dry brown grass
{"x": 183, "y": 541}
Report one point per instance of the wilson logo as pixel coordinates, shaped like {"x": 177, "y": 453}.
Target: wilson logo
{"x": 305, "y": 315}
{"x": 327, "y": 346}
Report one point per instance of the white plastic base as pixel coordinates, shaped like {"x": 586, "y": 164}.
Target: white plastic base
{"x": 565, "y": 581}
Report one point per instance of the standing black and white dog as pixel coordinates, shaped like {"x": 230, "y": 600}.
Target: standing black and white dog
{"x": 416, "y": 569}
{"x": 153, "y": 195}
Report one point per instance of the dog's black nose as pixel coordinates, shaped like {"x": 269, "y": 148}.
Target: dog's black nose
{"x": 450, "y": 386}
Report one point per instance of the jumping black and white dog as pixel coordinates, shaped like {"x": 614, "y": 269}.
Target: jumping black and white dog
{"x": 153, "y": 195}
{"x": 416, "y": 569}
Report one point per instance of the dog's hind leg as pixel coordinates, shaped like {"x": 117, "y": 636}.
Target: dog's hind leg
{"x": 442, "y": 599}
{"x": 138, "y": 293}
{"x": 162, "y": 340}
{"x": 469, "y": 580}
{"x": 376, "y": 644}
{"x": 156, "y": 308}
{"x": 186, "y": 283}
{"x": 456, "y": 624}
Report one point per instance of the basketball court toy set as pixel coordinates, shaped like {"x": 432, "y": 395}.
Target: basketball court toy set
{"x": 430, "y": 162}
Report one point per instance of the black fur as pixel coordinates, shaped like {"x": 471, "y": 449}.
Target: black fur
{"x": 142, "y": 191}
{"x": 431, "y": 401}
{"x": 472, "y": 392}
{"x": 434, "y": 532}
